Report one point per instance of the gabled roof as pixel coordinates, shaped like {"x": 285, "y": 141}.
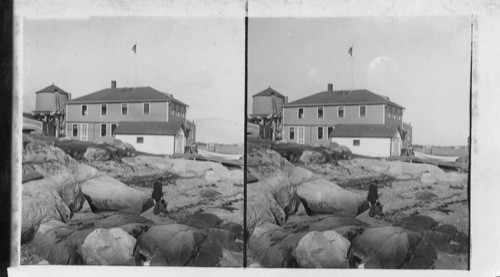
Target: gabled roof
{"x": 268, "y": 92}
{"x": 52, "y": 89}
{"x": 138, "y": 94}
{"x": 346, "y": 97}
{"x": 364, "y": 130}
{"x": 148, "y": 128}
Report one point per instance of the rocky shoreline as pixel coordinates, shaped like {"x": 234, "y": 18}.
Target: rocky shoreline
{"x": 307, "y": 212}
{"x": 98, "y": 209}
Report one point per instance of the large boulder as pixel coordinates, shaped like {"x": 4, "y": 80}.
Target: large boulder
{"x": 172, "y": 244}
{"x": 203, "y": 221}
{"x": 346, "y": 226}
{"x": 274, "y": 196}
{"x": 386, "y": 247}
{"x": 59, "y": 243}
{"x": 234, "y": 228}
{"x": 29, "y": 173}
{"x": 96, "y": 154}
{"x": 134, "y": 225}
{"x": 209, "y": 255}
{"x": 107, "y": 194}
{"x": 417, "y": 223}
{"x": 108, "y": 247}
{"x": 323, "y": 196}
{"x": 263, "y": 208}
{"x": 272, "y": 246}
{"x": 58, "y": 195}
{"x": 39, "y": 207}
{"x": 326, "y": 249}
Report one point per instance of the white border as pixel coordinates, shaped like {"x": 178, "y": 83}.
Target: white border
{"x": 485, "y": 213}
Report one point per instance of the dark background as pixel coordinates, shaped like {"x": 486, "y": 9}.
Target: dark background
{"x": 6, "y": 96}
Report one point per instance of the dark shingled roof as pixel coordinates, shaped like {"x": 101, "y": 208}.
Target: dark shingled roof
{"x": 364, "y": 130}
{"x": 138, "y": 94}
{"x": 148, "y": 128}
{"x": 346, "y": 97}
{"x": 52, "y": 88}
{"x": 268, "y": 92}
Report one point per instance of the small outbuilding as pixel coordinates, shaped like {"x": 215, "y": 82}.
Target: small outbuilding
{"x": 162, "y": 138}
{"x": 372, "y": 140}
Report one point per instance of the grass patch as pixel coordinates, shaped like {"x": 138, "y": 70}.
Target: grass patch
{"x": 293, "y": 151}
{"x": 363, "y": 183}
{"x": 77, "y": 148}
{"x": 147, "y": 181}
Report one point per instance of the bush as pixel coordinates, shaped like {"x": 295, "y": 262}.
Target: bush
{"x": 76, "y": 149}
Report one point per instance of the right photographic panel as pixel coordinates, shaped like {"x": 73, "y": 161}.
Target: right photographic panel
{"x": 358, "y": 142}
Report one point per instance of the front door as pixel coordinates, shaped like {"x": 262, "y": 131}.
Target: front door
{"x": 85, "y": 133}
{"x": 301, "y": 134}
{"x": 396, "y": 146}
{"x": 179, "y": 143}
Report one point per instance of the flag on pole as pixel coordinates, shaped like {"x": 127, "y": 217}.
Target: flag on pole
{"x": 134, "y": 48}
{"x": 350, "y": 51}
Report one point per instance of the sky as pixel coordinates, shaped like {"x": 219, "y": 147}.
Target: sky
{"x": 201, "y": 61}
{"x": 421, "y": 63}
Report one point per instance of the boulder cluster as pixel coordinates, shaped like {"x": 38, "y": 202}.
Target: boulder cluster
{"x": 296, "y": 218}
{"x": 116, "y": 229}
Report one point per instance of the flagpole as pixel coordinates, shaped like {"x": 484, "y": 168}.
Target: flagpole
{"x": 352, "y": 70}
{"x": 135, "y": 52}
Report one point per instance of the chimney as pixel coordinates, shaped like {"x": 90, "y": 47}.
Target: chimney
{"x": 113, "y": 84}
{"x": 330, "y": 87}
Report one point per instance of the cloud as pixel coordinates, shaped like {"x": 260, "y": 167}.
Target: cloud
{"x": 383, "y": 76}
{"x": 313, "y": 75}
{"x": 382, "y": 63}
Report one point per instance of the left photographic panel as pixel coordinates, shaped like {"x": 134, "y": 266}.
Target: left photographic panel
{"x": 132, "y": 141}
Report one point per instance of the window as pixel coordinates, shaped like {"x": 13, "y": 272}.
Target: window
{"x": 362, "y": 111}
{"x": 291, "y": 133}
{"x": 75, "y": 130}
{"x": 301, "y": 113}
{"x": 341, "y": 111}
{"x": 178, "y": 110}
{"x": 103, "y": 130}
{"x": 140, "y": 140}
{"x": 320, "y": 132}
{"x": 356, "y": 142}
{"x": 113, "y": 127}
{"x": 84, "y": 110}
{"x": 172, "y": 110}
{"x": 85, "y": 131}
{"x": 124, "y": 109}
{"x": 145, "y": 108}
{"x": 104, "y": 109}
{"x": 320, "y": 112}
{"x": 330, "y": 130}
